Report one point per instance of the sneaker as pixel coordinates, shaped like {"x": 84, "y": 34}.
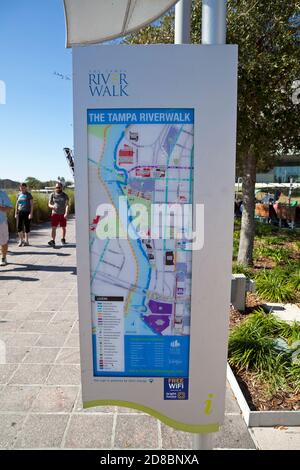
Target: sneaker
{"x": 3, "y": 262}
{"x": 26, "y": 244}
{"x": 63, "y": 241}
{"x": 51, "y": 243}
{"x": 20, "y": 243}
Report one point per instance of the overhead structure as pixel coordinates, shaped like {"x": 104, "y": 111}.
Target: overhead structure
{"x": 95, "y": 21}
{"x": 70, "y": 158}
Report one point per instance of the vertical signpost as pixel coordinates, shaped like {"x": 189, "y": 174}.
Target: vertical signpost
{"x": 154, "y": 131}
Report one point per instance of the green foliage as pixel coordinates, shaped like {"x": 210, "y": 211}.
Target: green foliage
{"x": 267, "y": 34}
{"x": 236, "y": 234}
{"x": 34, "y": 183}
{"x": 241, "y": 269}
{"x": 273, "y": 241}
{"x": 8, "y": 184}
{"x": 267, "y": 346}
{"x": 265, "y": 230}
{"x": 294, "y": 377}
{"x": 277, "y": 254}
{"x": 235, "y": 248}
{"x": 294, "y": 279}
{"x": 268, "y": 37}
{"x": 275, "y": 286}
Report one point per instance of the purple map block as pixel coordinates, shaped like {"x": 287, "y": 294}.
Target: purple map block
{"x": 157, "y": 323}
{"x": 160, "y": 307}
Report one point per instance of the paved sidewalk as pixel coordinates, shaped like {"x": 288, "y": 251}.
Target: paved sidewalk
{"x": 40, "y": 400}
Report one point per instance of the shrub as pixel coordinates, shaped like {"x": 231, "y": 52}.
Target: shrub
{"x": 274, "y": 286}
{"x": 277, "y": 254}
{"x": 235, "y": 248}
{"x": 295, "y": 279}
{"x": 272, "y": 241}
{"x": 241, "y": 269}
{"x": 263, "y": 230}
{"x": 266, "y": 346}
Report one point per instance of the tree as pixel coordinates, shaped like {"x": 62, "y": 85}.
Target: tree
{"x": 34, "y": 183}
{"x": 268, "y": 36}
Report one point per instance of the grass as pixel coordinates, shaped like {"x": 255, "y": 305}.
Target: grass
{"x": 41, "y": 211}
{"x": 275, "y": 253}
{"x": 241, "y": 269}
{"x": 269, "y": 348}
{"x": 275, "y": 286}
{"x": 274, "y": 248}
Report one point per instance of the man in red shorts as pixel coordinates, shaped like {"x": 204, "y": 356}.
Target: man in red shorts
{"x": 59, "y": 204}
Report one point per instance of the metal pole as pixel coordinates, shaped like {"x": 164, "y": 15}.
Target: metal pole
{"x": 183, "y": 22}
{"x": 213, "y": 32}
{"x": 202, "y": 441}
{"x": 214, "y": 21}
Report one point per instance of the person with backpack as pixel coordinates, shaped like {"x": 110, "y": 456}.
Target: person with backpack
{"x": 24, "y": 214}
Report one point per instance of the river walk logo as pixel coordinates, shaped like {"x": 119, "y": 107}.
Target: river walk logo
{"x": 108, "y": 83}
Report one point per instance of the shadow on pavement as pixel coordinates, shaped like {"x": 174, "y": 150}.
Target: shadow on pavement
{"x": 17, "y": 253}
{"x": 17, "y": 278}
{"x": 38, "y": 267}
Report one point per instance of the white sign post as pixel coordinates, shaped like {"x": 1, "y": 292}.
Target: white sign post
{"x": 154, "y": 129}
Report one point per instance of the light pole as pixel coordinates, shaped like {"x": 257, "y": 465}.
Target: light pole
{"x": 183, "y": 22}
{"x": 214, "y": 22}
{"x": 213, "y": 33}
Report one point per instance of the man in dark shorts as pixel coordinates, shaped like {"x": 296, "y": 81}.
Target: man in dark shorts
{"x": 23, "y": 214}
{"x": 59, "y": 204}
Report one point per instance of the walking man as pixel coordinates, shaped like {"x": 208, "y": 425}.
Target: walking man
{"x": 5, "y": 206}
{"x": 59, "y": 204}
{"x": 23, "y": 214}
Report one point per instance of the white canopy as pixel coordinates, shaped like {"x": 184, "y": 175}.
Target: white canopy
{"x": 94, "y": 21}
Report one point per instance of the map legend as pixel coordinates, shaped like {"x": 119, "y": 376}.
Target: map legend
{"x": 109, "y": 333}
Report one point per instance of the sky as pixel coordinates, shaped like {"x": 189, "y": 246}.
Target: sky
{"x": 36, "y": 121}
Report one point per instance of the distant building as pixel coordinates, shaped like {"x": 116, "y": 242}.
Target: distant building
{"x": 285, "y": 168}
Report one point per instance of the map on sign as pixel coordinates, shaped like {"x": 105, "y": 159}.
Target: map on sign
{"x": 140, "y": 161}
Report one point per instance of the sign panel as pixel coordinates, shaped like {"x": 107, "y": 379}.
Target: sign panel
{"x": 154, "y": 146}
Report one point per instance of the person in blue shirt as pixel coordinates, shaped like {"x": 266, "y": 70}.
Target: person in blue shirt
{"x": 5, "y": 206}
{"x": 23, "y": 214}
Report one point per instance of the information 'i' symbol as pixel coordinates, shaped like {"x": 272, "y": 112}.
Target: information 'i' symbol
{"x": 208, "y": 404}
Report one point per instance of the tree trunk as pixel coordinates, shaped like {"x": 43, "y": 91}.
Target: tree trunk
{"x": 245, "y": 255}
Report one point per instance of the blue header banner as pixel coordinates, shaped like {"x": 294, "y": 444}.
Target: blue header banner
{"x": 140, "y": 116}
